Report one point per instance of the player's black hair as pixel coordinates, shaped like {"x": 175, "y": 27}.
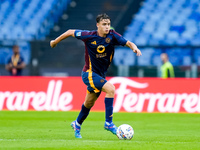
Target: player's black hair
{"x": 101, "y": 17}
{"x": 15, "y": 45}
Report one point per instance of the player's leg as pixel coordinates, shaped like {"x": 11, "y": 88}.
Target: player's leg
{"x": 89, "y": 102}
{"x": 109, "y": 89}
{"x": 87, "y": 105}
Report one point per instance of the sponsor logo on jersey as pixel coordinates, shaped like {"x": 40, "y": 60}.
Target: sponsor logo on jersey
{"x": 100, "y": 49}
{"x": 101, "y": 55}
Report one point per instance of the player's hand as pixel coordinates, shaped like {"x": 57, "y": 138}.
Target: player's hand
{"x": 53, "y": 44}
{"x": 138, "y": 52}
{"x": 10, "y": 65}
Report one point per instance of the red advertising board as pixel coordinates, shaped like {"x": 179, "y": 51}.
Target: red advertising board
{"x": 132, "y": 94}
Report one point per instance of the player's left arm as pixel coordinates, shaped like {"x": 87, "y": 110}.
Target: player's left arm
{"x": 134, "y": 48}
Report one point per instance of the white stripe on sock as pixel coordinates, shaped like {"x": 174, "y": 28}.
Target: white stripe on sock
{"x": 107, "y": 123}
{"x": 77, "y": 123}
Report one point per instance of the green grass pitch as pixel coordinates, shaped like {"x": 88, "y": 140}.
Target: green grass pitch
{"x": 51, "y": 130}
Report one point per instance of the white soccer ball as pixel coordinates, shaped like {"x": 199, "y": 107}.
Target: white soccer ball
{"x": 125, "y": 132}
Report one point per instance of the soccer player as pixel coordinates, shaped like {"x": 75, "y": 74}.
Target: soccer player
{"x": 99, "y": 51}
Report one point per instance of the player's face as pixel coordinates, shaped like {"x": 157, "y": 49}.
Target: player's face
{"x": 103, "y": 26}
{"x": 163, "y": 58}
{"x": 16, "y": 50}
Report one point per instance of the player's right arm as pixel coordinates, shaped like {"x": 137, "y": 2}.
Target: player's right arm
{"x": 63, "y": 36}
{"x": 8, "y": 66}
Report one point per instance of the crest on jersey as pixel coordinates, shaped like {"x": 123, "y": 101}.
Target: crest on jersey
{"x": 107, "y": 40}
{"x": 100, "y": 49}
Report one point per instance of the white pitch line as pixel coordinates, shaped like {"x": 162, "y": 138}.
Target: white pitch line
{"x": 53, "y": 140}
{"x": 91, "y": 141}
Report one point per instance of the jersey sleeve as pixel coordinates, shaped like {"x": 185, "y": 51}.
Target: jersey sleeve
{"x": 83, "y": 35}
{"x": 119, "y": 40}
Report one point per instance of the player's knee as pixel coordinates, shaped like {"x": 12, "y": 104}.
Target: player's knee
{"x": 111, "y": 90}
{"x": 89, "y": 104}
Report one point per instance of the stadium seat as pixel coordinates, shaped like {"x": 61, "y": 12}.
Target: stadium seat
{"x": 124, "y": 56}
{"x": 27, "y": 20}
{"x": 166, "y": 23}
{"x": 145, "y": 60}
{"x": 25, "y": 13}
{"x": 196, "y": 56}
{"x": 170, "y": 19}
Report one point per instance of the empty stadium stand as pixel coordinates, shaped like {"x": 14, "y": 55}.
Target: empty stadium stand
{"x": 25, "y": 20}
{"x": 156, "y": 26}
{"x": 170, "y": 26}
{"x": 29, "y": 19}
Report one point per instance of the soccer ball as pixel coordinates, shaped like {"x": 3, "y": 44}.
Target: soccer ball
{"x": 125, "y": 132}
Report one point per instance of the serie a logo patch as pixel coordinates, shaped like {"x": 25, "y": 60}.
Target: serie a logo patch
{"x": 78, "y": 34}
